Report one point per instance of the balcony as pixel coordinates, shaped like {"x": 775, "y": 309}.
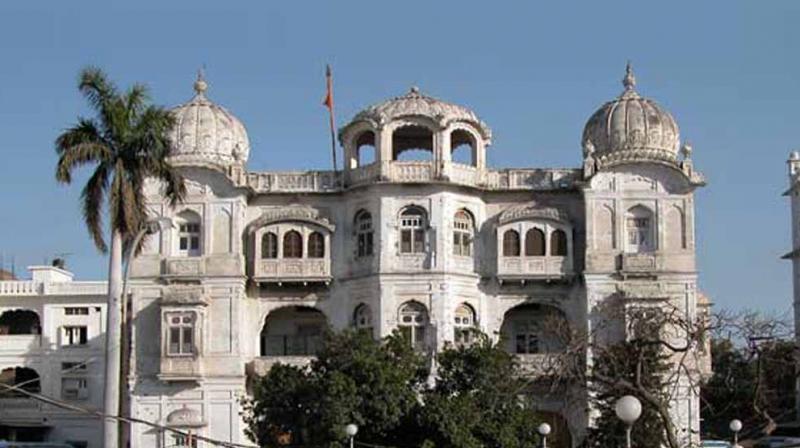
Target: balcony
{"x": 541, "y": 364}
{"x": 190, "y": 268}
{"x": 532, "y": 268}
{"x": 293, "y": 270}
{"x": 21, "y": 411}
{"x": 294, "y": 182}
{"x": 20, "y": 343}
{"x": 261, "y": 366}
{"x": 180, "y": 368}
{"x": 293, "y": 350}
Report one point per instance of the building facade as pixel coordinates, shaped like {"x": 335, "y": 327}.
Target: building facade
{"x": 417, "y": 234}
{"x": 52, "y": 339}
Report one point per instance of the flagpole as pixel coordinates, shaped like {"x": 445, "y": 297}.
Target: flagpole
{"x": 329, "y": 103}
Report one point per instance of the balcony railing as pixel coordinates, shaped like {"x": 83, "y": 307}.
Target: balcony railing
{"x": 534, "y": 267}
{"x": 261, "y": 366}
{"x": 21, "y": 410}
{"x": 294, "y": 182}
{"x": 180, "y": 368}
{"x": 290, "y": 345}
{"x": 20, "y": 343}
{"x": 19, "y": 288}
{"x": 640, "y": 263}
{"x": 410, "y": 172}
{"x": 540, "y": 364}
{"x": 290, "y": 270}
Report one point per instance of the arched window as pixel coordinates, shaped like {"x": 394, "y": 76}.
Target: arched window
{"x": 413, "y": 142}
{"x": 639, "y": 230}
{"x": 462, "y": 233}
{"x": 413, "y": 321}
{"x": 189, "y": 235}
{"x": 511, "y": 243}
{"x": 412, "y": 230}
{"x": 464, "y": 325}
{"x": 316, "y": 245}
{"x": 534, "y": 243}
{"x": 293, "y": 331}
{"x": 534, "y": 328}
{"x": 558, "y": 243}
{"x": 292, "y": 245}
{"x": 362, "y": 317}
{"x": 20, "y": 322}
{"x": 363, "y": 225}
{"x": 24, "y": 378}
{"x": 269, "y": 245}
{"x": 365, "y": 148}
{"x": 463, "y": 147}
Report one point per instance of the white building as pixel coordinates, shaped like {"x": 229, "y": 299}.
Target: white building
{"x": 52, "y": 339}
{"x": 416, "y": 233}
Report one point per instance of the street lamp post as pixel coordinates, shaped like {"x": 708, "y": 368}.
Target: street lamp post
{"x": 351, "y": 431}
{"x": 544, "y": 430}
{"x": 628, "y": 409}
{"x": 735, "y": 426}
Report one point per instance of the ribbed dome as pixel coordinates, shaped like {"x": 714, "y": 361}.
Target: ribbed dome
{"x": 631, "y": 128}
{"x": 185, "y": 418}
{"x": 415, "y": 103}
{"x": 206, "y": 133}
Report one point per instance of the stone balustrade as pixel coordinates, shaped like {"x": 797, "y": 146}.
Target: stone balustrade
{"x": 19, "y": 288}
{"x": 410, "y": 172}
{"x": 293, "y": 270}
{"x": 261, "y": 366}
{"x": 294, "y": 182}
{"x": 533, "y": 268}
{"x": 20, "y": 343}
{"x": 75, "y": 288}
{"x": 31, "y": 288}
{"x": 180, "y": 368}
{"x": 22, "y": 411}
{"x": 540, "y": 364}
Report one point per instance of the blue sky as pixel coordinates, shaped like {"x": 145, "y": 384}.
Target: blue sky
{"x": 729, "y": 71}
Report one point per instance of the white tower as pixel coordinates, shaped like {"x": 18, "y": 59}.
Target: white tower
{"x": 794, "y": 193}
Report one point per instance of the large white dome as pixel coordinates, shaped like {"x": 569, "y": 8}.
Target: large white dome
{"x": 631, "y": 128}
{"x": 206, "y": 133}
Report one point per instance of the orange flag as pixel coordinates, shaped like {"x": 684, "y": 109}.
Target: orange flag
{"x": 328, "y": 101}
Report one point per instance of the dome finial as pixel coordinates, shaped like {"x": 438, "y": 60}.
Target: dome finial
{"x": 629, "y": 81}
{"x": 200, "y": 85}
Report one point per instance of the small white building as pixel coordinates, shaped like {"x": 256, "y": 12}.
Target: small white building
{"x": 52, "y": 341}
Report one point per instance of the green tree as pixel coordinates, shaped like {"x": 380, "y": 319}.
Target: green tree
{"x": 754, "y": 384}
{"x": 479, "y": 400}
{"x": 126, "y": 142}
{"x": 382, "y": 386}
{"x": 354, "y": 379}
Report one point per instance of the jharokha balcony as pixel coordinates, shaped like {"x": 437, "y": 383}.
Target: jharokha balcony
{"x": 293, "y": 270}
{"x": 529, "y": 268}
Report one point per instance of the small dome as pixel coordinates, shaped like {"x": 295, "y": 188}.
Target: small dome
{"x": 631, "y": 128}
{"x": 185, "y": 418}
{"x": 415, "y": 103}
{"x": 206, "y": 133}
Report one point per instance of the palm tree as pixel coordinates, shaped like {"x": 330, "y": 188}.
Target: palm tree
{"x": 126, "y": 142}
